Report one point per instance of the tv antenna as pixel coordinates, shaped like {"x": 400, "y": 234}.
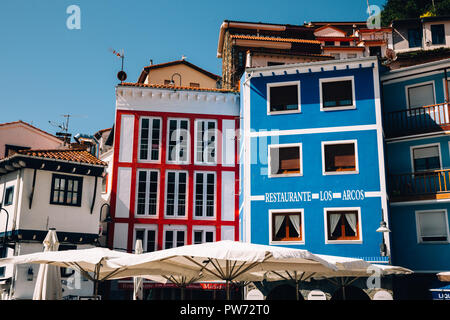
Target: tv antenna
{"x": 64, "y": 134}
{"x": 121, "y": 75}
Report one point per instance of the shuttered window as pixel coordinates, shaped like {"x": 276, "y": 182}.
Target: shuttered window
{"x": 426, "y": 158}
{"x": 420, "y": 96}
{"x": 285, "y": 160}
{"x": 340, "y": 157}
{"x": 432, "y": 226}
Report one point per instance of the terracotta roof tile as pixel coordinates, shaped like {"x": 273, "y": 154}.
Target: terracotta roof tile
{"x": 80, "y": 156}
{"x": 165, "y": 86}
{"x": 244, "y": 37}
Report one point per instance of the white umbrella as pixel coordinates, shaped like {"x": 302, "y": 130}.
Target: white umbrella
{"x": 444, "y": 276}
{"x": 226, "y": 260}
{"x": 138, "y": 290}
{"x": 48, "y": 281}
{"x": 94, "y": 260}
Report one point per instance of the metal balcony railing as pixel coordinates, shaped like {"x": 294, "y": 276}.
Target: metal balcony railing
{"x": 420, "y": 185}
{"x": 417, "y": 120}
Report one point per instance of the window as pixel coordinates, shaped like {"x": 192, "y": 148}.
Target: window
{"x": 340, "y": 157}
{"x": 342, "y": 224}
{"x": 176, "y": 187}
{"x": 337, "y": 94}
{"x": 205, "y": 187}
{"x": 178, "y": 135}
{"x": 9, "y": 196}
{"x": 426, "y": 158}
{"x": 345, "y": 43}
{"x": 11, "y": 149}
{"x": 287, "y": 226}
{"x": 432, "y": 226}
{"x": 336, "y": 56}
{"x": 105, "y": 184}
{"x": 203, "y": 234}
{"x": 437, "y": 34}
{"x": 420, "y": 95}
{"x": 329, "y": 43}
{"x": 66, "y": 190}
{"x": 174, "y": 237}
{"x": 194, "y": 84}
{"x": 148, "y": 238}
{"x": 147, "y": 192}
{"x": 168, "y": 82}
{"x": 351, "y": 55}
{"x": 375, "y": 51}
{"x": 150, "y": 135}
{"x": 283, "y": 97}
{"x": 273, "y": 63}
{"x": 414, "y": 37}
{"x": 285, "y": 160}
{"x": 205, "y": 141}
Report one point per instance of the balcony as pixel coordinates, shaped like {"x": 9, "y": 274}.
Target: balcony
{"x": 427, "y": 185}
{"x": 414, "y": 121}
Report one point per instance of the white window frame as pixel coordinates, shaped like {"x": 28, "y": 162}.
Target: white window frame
{"x": 203, "y": 216}
{"x": 176, "y": 216}
{"x": 188, "y": 148}
{"x": 355, "y": 142}
{"x": 360, "y": 233}
{"x": 146, "y": 227}
{"x": 302, "y": 226}
{"x": 204, "y": 229}
{"x": 336, "y": 79}
{"x": 419, "y": 237}
{"x": 149, "y": 151}
{"x": 147, "y": 189}
{"x": 411, "y": 154}
{"x": 408, "y": 104}
{"x": 273, "y": 146}
{"x": 282, "y": 84}
{"x": 175, "y": 228}
{"x": 196, "y": 161}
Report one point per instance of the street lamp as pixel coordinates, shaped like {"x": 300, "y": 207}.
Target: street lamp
{"x": 383, "y": 229}
{"x": 171, "y": 79}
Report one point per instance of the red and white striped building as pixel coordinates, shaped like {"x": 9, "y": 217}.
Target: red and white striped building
{"x": 175, "y": 168}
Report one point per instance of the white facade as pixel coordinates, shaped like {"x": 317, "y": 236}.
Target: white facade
{"x": 29, "y": 224}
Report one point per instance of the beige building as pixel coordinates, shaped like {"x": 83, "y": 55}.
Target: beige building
{"x": 180, "y": 73}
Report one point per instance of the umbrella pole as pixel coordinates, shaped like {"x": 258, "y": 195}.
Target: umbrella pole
{"x": 228, "y": 289}
{"x": 182, "y": 292}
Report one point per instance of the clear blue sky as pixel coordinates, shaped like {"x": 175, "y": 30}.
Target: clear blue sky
{"x": 47, "y": 70}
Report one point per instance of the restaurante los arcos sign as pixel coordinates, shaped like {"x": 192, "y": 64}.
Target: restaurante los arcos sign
{"x": 308, "y": 196}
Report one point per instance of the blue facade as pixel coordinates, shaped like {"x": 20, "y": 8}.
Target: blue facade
{"x": 313, "y": 192}
{"x": 418, "y": 162}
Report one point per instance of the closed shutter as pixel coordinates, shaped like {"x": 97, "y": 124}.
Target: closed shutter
{"x": 421, "y": 96}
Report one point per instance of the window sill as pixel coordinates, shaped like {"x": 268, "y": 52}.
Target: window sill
{"x": 328, "y": 109}
{"x": 285, "y": 175}
{"x": 274, "y": 113}
{"x": 302, "y": 242}
{"x": 343, "y": 242}
{"x": 334, "y": 173}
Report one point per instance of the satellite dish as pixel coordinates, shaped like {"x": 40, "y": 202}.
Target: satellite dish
{"x": 121, "y": 75}
{"x": 391, "y": 55}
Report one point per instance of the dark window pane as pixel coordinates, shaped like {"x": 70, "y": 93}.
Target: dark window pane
{"x": 198, "y": 237}
{"x": 337, "y": 94}
{"x": 283, "y": 98}
{"x": 438, "y": 34}
{"x": 209, "y": 236}
{"x": 340, "y": 157}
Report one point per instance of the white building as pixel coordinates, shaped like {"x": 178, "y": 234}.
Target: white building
{"x": 42, "y": 189}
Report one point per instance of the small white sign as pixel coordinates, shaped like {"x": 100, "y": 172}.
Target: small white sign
{"x": 317, "y": 295}
{"x": 255, "y": 294}
{"x": 382, "y": 295}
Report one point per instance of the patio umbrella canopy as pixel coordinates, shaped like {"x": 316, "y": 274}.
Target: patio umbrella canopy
{"x": 444, "y": 276}
{"x": 225, "y": 260}
{"x": 48, "y": 281}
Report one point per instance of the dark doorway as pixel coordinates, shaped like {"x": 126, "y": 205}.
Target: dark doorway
{"x": 283, "y": 292}
{"x": 350, "y": 293}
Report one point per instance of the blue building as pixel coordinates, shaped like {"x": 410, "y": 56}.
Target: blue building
{"x": 312, "y": 158}
{"x": 416, "y": 126}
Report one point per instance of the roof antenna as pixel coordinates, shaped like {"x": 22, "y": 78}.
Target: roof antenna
{"x": 121, "y": 75}
{"x": 64, "y": 134}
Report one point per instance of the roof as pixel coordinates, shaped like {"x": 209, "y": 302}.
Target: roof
{"x": 147, "y": 69}
{"x": 172, "y": 87}
{"x": 80, "y": 156}
{"x": 244, "y": 37}
{"x": 29, "y": 125}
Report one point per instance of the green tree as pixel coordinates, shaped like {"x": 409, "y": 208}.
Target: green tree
{"x": 407, "y": 9}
